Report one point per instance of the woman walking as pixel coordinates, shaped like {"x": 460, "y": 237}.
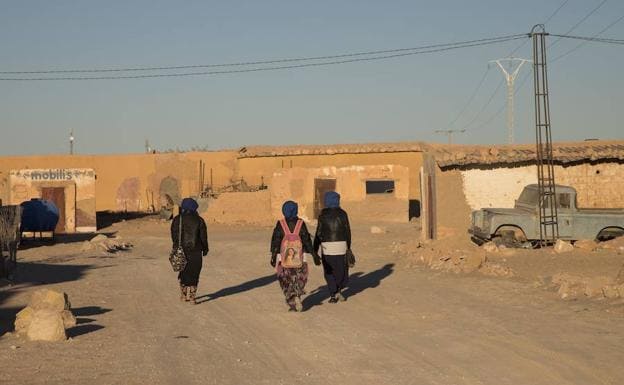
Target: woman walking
{"x": 289, "y": 245}
{"x": 333, "y": 238}
{"x": 194, "y": 243}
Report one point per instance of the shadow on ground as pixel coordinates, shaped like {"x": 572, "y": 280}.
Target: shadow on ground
{"x": 30, "y": 243}
{"x": 358, "y": 282}
{"x": 246, "y": 286}
{"x": 106, "y": 219}
{"x": 34, "y": 274}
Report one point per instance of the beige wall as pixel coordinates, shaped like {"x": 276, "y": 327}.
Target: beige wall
{"x": 298, "y": 184}
{"x": 79, "y": 191}
{"x": 129, "y": 181}
{"x": 254, "y": 169}
{"x": 597, "y": 186}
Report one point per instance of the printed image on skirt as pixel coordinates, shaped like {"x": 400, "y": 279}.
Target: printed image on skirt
{"x": 292, "y": 282}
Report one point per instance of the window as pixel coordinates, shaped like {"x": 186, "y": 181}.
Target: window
{"x": 379, "y": 186}
{"x": 563, "y": 201}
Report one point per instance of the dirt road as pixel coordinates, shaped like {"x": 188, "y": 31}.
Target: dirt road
{"x": 398, "y": 326}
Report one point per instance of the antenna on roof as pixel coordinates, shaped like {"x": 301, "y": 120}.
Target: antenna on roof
{"x": 71, "y": 142}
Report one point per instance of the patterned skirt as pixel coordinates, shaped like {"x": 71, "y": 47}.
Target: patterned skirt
{"x": 292, "y": 281}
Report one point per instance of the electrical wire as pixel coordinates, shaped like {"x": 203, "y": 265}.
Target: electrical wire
{"x": 461, "y": 112}
{"x": 593, "y": 38}
{"x": 271, "y": 61}
{"x": 476, "y": 117}
{"x": 575, "y": 26}
{"x": 552, "y": 15}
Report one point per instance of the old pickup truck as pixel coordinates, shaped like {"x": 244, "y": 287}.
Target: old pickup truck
{"x": 522, "y": 221}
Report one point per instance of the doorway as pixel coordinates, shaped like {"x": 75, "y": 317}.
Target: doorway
{"x": 321, "y": 186}
{"x": 56, "y": 195}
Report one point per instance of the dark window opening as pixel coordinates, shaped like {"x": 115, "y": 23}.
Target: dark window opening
{"x": 414, "y": 208}
{"x": 379, "y": 186}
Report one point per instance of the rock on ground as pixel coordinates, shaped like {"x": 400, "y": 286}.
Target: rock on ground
{"x": 46, "y": 325}
{"x": 46, "y": 317}
{"x": 562, "y": 246}
{"x": 586, "y": 244}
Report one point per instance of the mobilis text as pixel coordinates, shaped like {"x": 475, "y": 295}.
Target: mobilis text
{"x": 58, "y": 174}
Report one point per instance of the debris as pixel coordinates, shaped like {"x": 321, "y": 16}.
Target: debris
{"x": 99, "y": 238}
{"x": 562, "y": 246}
{"x": 586, "y": 244}
{"x": 87, "y": 246}
{"x": 490, "y": 247}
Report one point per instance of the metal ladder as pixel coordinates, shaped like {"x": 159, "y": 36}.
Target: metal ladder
{"x": 549, "y": 227}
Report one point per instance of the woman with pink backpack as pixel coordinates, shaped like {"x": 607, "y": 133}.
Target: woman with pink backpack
{"x": 290, "y": 243}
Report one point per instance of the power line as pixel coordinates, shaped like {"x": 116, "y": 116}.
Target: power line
{"x": 272, "y": 68}
{"x": 470, "y": 99}
{"x": 270, "y": 61}
{"x": 603, "y": 2}
{"x": 593, "y": 37}
{"x": 552, "y": 15}
{"x": 500, "y": 84}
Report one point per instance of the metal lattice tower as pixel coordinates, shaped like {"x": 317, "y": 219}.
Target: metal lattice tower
{"x": 549, "y": 227}
{"x": 510, "y": 73}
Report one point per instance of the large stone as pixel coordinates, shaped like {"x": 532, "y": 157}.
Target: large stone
{"x": 46, "y": 299}
{"x": 23, "y": 320}
{"x": 46, "y": 325}
{"x": 563, "y": 246}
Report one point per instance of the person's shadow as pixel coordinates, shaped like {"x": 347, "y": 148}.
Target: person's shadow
{"x": 246, "y": 286}
{"x": 358, "y": 282}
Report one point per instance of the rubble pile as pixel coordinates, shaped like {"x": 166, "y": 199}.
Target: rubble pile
{"x": 103, "y": 243}
{"x": 570, "y": 286}
{"x": 452, "y": 260}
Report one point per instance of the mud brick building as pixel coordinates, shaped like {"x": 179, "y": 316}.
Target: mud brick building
{"x": 384, "y": 182}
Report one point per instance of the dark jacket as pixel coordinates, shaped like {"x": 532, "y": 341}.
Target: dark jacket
{"x": 333, "y": 225}
{"x": 278, "y": 235}
{"x": 194, "y": 233}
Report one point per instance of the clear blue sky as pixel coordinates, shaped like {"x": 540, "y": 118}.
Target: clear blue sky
{"x": 392, "y": 100}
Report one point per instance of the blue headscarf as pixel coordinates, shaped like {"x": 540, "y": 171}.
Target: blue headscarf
{"x": 290, "y": 209}
{"x": 332, "y": 199}
{"x": 189, "y": 204}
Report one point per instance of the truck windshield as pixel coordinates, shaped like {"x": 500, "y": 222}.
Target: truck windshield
{"x": 528, "y": 197}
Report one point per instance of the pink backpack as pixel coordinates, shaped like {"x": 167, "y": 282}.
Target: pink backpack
{"x": 291, "y": 248}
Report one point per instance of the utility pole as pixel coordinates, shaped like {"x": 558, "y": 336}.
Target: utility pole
{"x": 450, "y": 134}
{"x": 548, "y": 216}
{"x": 510, "y": 72}
{"x": 71, "y": 142}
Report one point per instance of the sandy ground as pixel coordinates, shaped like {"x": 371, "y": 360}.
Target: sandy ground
{"x": 399, "y": 326}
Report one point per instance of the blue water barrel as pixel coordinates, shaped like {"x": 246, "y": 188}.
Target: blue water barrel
{"x": 39, "y": 215}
